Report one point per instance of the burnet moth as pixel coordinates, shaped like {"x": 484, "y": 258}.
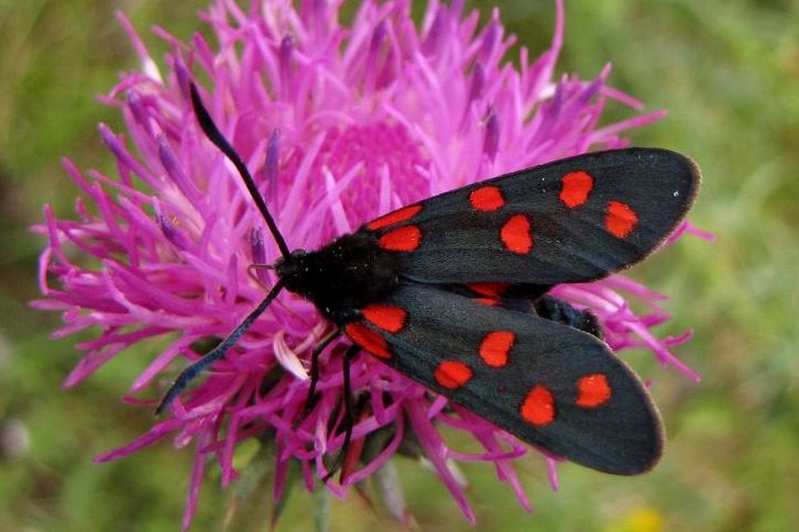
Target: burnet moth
{"x": 451, "y": 292}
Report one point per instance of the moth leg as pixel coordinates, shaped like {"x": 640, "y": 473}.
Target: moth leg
{"x": 559, "y": 311}
{"x": 349, "y": 418}
{"x": 311, "y": 399}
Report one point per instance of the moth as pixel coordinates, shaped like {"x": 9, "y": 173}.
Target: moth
{"x": 451, "y": 291}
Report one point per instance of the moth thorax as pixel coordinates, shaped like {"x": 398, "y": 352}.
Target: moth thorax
{"x": 342, "y": 277}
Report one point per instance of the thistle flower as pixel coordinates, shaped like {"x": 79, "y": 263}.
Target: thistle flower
{"x": 339, "y": 124}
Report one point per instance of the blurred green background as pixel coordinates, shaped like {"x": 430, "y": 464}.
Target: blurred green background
{"x": 727, "y": 71}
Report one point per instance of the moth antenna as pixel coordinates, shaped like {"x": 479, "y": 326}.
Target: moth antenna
{"x": 188, "y": 374}
{"x": 214, "y": 135}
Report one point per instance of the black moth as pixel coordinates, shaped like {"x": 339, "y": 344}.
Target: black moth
{"x": 451, "y": 291}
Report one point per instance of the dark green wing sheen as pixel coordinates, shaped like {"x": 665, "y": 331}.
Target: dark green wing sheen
{"x": 572, "y": 220}
{"x": 550, "y": 385}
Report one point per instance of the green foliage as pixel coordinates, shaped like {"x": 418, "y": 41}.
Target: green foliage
{"x": 727, "y": 71}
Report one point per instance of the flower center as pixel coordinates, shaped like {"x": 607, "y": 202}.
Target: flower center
{"x": 382, "y": 149}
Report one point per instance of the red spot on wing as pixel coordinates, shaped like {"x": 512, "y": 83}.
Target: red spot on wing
{"x": 488, "y": 289}
{"x": 576, "y": 187}
{"x": 405, "y": 238}
{"x": 387, "y": 317}
{"x": 368, "y": 339}
{"x": 495, "y": 347}
{"x": 620, "y": 219}
{"x": 488, "y": 198}
{"x": 487, "y": 301}
{"x": 452, "y": 375}
{"x": 400, "y": 215}
{"x": 593, "y": 390}
{"x": 354, "y": 453}
{"x": 538, "y": 407}
{"x": 516, "y": 235}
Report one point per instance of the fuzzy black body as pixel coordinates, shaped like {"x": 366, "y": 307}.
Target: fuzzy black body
{"x": 346, "y": 275}
{"x": 559, "y": 311}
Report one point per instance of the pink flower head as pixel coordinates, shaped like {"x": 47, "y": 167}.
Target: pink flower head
{"x": 338, "y": 124}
